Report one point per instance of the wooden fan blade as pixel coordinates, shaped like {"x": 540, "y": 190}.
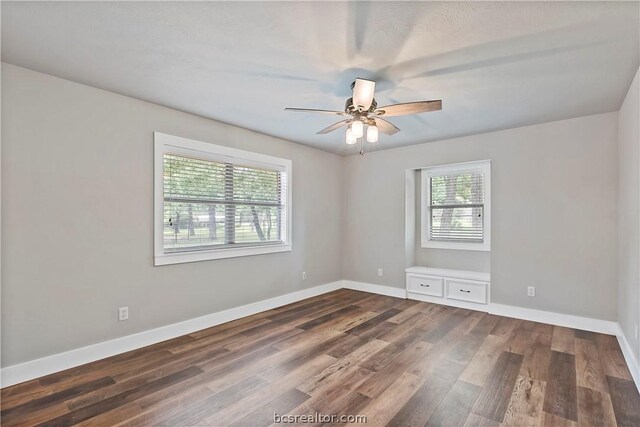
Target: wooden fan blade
{"x": 313, "y": 110}
{"x": 335, "y": 126}
{"x": 409, "y": 108}
{"x": 385, "y": 127}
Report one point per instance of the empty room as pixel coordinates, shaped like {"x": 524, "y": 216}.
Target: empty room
{"x": 320, "y": 213}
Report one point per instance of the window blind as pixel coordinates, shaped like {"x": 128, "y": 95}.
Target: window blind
{"x": 456, "y": 207}
{"x": 210, "y": 204}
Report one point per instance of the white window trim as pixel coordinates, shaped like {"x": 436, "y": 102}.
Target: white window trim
{"x": 164, "y": 143}
{"x": 426, "y": 173}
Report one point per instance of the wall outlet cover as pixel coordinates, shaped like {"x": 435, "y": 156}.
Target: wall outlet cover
{"x": 123, "y": 313}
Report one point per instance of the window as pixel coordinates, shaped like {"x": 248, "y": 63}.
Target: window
{"x": 456, "y": 206}
{"x": 216, "y": 202}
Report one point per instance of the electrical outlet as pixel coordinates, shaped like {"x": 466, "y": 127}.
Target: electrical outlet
{"x": 304, "y": 275}
{"x": 531, "y": 291}
{"x": 123, "y": 313}
{"x": 379, "y": 272}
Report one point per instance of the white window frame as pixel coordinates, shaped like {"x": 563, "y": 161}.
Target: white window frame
{"x": 170, "y": 144}
{"x": 483, "y": 166}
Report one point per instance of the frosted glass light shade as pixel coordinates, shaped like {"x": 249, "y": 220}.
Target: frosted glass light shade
{"x": 372, "y": 133}
{"x": 357, "y": 128}
{"x": 363, "y": 93}
{"x": 350, "y": 137}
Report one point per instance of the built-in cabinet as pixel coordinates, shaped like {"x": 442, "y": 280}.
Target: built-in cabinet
{"x": 461, "y": 288}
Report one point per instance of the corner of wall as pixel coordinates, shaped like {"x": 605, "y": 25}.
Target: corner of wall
{"x": 628, "y": 272}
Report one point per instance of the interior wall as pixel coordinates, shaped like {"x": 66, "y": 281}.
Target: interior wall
{"x": 629, "y": 215}
{"x": 554, "y": 213}
{"x": 77, "y": 219}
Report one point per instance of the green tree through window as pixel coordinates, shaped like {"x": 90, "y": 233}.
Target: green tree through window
{"x": 210, "y": 204}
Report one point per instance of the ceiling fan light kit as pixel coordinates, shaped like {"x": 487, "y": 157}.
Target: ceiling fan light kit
{"x": 363, "y": 109}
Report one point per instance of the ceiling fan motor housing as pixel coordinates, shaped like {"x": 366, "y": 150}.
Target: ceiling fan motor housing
{"x": 351, "y": 109}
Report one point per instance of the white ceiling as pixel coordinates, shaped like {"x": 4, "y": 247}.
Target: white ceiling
{"x": 494, "y": 65}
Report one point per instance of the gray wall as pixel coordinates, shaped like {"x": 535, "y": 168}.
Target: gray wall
{"x": 77, "y": 219}
{"x": 554, "y": 208}
{"x": 629, "y": 215}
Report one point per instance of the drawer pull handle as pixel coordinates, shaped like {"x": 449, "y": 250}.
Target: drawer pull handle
{"x": 462, "y": 290}
{"x": 425, "y": 286}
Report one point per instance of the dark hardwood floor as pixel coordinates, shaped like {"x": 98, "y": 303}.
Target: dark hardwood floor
{"x": 395, "y": 361}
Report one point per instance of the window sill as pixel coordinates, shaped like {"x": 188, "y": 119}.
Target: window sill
{"x": 182, "y": 257}
{"x": 484, "y": 247}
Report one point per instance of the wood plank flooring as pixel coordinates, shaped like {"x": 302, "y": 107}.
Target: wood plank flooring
{"x": 396, "y": 362}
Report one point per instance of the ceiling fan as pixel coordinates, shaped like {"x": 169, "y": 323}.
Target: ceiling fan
{"x": 362, "y": 110}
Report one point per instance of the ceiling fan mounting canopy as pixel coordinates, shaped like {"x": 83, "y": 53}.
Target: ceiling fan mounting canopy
{"x": 363, "y": 108}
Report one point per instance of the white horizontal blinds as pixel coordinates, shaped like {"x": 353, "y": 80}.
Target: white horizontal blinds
{"x": 210, "y": 204}
{"x": 456, "y": 207}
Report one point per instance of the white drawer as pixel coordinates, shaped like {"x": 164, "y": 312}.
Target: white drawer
{"x": 467, "y": 290}
{"x": 428, "y": 285}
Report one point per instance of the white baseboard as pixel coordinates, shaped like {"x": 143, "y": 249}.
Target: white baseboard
{"x": 566, "y": 320}
{"x": 59, "y": 362}
{"x": 375, "y": 289}
{"x": 629, "y": 357}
